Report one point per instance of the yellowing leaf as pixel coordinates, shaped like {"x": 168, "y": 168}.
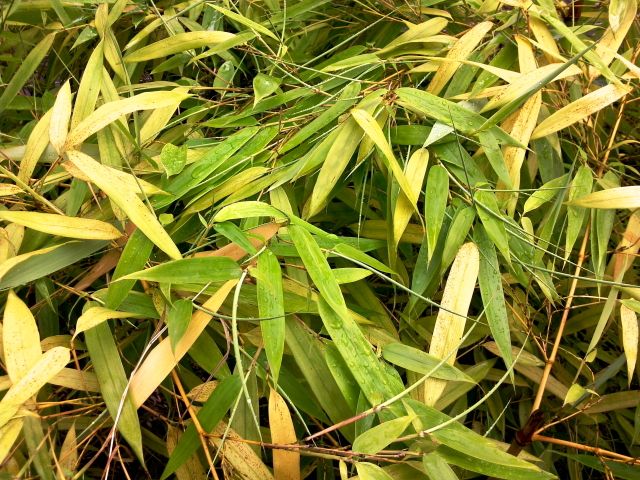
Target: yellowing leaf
{"x": 621, "y": 197}
{"x": 60, "y": 116}
{"x": 162, "y": 359}
{"x": 452, "y": 315}
{"x": 111, "y": 111}
{"x": 241, "y": 19}
{"x": 460, "y": 51}
{"x": 73, "y": 227}
{"x": 373, "y": 130}
{"x": 20, "y": 338}
{"x": 89, "y": 86}
{"x": 286, "y": 464}
{"x": 8, "y": 435}
{"x": 6, "y": 190}
{"x": 415, "y": 171}
{"x": 36, "y": 145}
{"x": 178, "y": 43}
{"x": 580, "y": 109}
{"x": 96, "y": 315}
{"x": 49, "y": 365}
{"x": 417, "y": 33}
{"x": 629, "y": 323}
{"x": 127, "y": 200}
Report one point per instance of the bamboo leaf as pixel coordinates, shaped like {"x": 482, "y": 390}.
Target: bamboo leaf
{"x": 73, "y": 227}
{"x": 377, "y": 438}
{"x": 60, "y": 116}
{"x": 20, "y": 338}
{"x": 629, "y": 323}
{"x": 621, "y": 197}
{"x": 286, "y": 464}
{"x": 177, "y": 43}
{"x": 118, "y": 192}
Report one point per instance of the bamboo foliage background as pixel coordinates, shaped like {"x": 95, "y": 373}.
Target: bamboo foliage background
{"x": 319, "y": 239}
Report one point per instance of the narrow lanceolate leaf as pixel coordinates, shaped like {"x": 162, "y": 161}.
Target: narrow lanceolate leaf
{"x": 487, "y": 207}
{"x": 373, "y": 378}
{"x": 60, "y": 116}
{"x": 373, "y": 130}
{"x": 377, "y": 438}
{"x": 36, "y": 145}
{"x": 580, "y": 109}
{"x": 417, "y": 33}
{"x": 49, "y": 364}
{"x": 178, "y": 43}
{"x": 112, "y": 378}
{"x": 8, "y": 435}
{"x": 111, "y": 111}
{"x": 127, "y": 200}
{"x": 580, "y": 186}
{"x": 89, "y": 88}
{"x": 460, "y": 51}
{"x": 286, "y": 464}
{"x": 72, "y": 227}
{"x": 435, "y": 204}
{"x": 452, "y": 315}
{"x": 27, "y": 67}
{"x": 190, "y": 270}
{"x": 20, "y": 338}
{"x": 271, "y": 309}
{"x": 493, "y": 296}
{"x": 621, "y": 197}
{"x": 418, "y": 361}
{"x": 96, "y": 315}
{"x": 415, "y": 171}
{"x": 629, "y": 323}
{"x": 241, "y": 19}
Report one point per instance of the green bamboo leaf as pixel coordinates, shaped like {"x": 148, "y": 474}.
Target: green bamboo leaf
{"x": 271, "y": 309}
{"x": 263, "y": 86}
{"x": 421, "y": 362}
{"x": 178, "y": 318}
{"x": 24, "y": 73}
{"x": 113, "y": 383}
{"x": 212, "y": 412}
{"x": 190, "y": 270}
{"x": 489, "y": 213}
{"x": 370, "y": 374}
{"x": 241, "y": 19}
{"x": 493, "y": 295}
{"x": 545, "y": 193}
{"x": 376, "y": 439}
{"x": 580, "y": 186}
{"x": 435, "y": 203}
{"x": 370, "y": 471}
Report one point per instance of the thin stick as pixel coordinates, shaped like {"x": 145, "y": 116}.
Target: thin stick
{"x": 565, "y": 314}
{"x": 586, "y": 448}
{"x": 196, "y": 423}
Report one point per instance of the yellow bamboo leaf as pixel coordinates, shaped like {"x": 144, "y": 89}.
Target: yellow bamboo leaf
{"x": 178, "y": 43}
{"x": 239, "y": 461}
{"x": 286, "y": 464}
{"x": 96, "y": 315}
{"x": 158, "y": 119}
{"x": 68, "y": 458}
{"x": 504, "y": 74}
{"x": 89, "y": 88}
{"x": 415, "y": 172}
{"x": 191, "y": 469}
{"x": 49, "y": 365}
{"x": 127, "y": 200}
{"x": 452, "y": 315}
{"x": 76, "y": 380}
{"x": 520, "y": 126}
{"x": 241, "y": 19}
{"x": 375, "y": 133}
{"x": 460, "y": 51}
{"x": 621, "y": 197}
{"x": 20, "y": 338}
{"x": 202, "y": 392}
{"x": 163, "y": 358}
{"x": 627, "y": 249}
{"x": 417, "y": 34}
{"x": 36, "y": 145}
{"x": 580, "y": 109}
{"x": 7, "y": 189}
{"x": 73, "y": 227}
{"x": 111, "y": 111}
{"x": 60, "y": 116}
{"x": 10, "y": 263}
{"x": 8, "y": 435}
{"x": 545, "y": 37}
{"x": 519, "y": 87}
{"x": 629, "y": 323}
{"x": 612, "y": 39}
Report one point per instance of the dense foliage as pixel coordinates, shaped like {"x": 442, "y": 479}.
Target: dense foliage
{"x": 319, "y": 239}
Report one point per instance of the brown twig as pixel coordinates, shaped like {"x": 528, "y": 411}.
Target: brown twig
{"x": 565, "y": 315}
{"x": 586, "y": 448}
